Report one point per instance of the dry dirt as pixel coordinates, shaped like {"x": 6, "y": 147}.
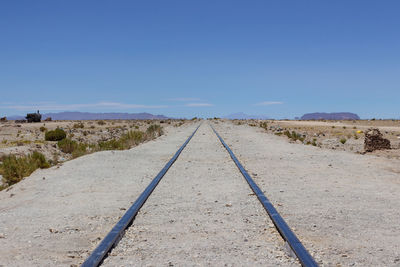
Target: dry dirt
{"x": 24, "y": 138}
{"x": 203, "y": 213}
{"x": 56, "y": 216}
{"x": 328, "y": 134}
{"x": 342, "y": 205}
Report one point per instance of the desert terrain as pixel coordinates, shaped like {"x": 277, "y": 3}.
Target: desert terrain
{"x": 342, "y": 203}
{"x": 335, "y": 135}
{"x": 81, "y": 138}
{"x": 23, "y": 138}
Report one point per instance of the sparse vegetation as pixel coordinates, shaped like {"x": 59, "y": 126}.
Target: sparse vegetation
{"x": 70, "y": 144}
{"x": 55, "y": 135}
{"x": 154, "y": 131}
{"x": 294, "y": 136}
{"x": 67, "y": 145}
{"x": 78, "y": 125}
{"x": 14, "y": 168}
{"x": 264, "y": 125}
{"x": 343, "y": 140}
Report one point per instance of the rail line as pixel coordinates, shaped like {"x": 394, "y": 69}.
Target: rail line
{"x": 113, "y": 237}
{"x": 287, "y": 234}
{"x": 116, "y": 233}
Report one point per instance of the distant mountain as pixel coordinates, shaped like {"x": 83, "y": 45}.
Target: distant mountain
{"x": 96, "y": 116}
{"x": 243, "y": 116}
{"x": 330, "y": 116}
{"x": 15, "y": 117}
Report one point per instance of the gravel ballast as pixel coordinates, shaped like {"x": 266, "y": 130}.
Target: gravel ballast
{"x": 202, "y": 213}
{"x": 343, "y": 206}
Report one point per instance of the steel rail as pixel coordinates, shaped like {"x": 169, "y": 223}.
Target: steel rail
{"x": 116, "y": 233}
{"x": 287, "y": 234}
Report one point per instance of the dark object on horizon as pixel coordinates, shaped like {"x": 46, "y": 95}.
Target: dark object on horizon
{"x": 4, "y": 119}
{"x": 330, "y": 116}
{"x": 48, "y": 119}
{"x": 374, "y": 141}
{"x": 20, "y": 121}
{"x": 34, "y": 117}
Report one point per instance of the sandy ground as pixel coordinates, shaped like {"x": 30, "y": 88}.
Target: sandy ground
{"x": 24, "y": 138}
{"x": 335, "y": 135}
{"x": 57, "y": 216}
{"x": 344, "y": 207}
{"x": 202, "y": 213}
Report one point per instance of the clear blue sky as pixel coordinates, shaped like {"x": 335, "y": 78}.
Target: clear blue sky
{"x": 201, "y": 58}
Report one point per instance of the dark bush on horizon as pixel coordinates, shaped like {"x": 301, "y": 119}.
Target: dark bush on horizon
{"x": 55, "y": 135}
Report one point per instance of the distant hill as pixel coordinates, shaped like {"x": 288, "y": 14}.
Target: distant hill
{"x": 15, "y": 117}
{"x": 96, "y": 116}
{"x": 243, "y": 116}
{"x": 330, "y": 116}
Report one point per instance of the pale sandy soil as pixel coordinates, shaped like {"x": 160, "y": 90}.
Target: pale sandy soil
{"x": 56, "y": 216}
{"x": 202, "y": 213}
{"x": 343, "y": 206}
{"x": 329, "y": 134}
{"x": 24, "y": 138}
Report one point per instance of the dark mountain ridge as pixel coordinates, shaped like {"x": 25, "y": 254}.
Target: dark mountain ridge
{"x": 330, "y": 116}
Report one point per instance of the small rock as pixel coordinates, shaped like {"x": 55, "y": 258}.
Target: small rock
{"x": 2, "y": 235}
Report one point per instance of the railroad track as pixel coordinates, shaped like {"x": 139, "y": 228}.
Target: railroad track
{"x": 114, "y": 236}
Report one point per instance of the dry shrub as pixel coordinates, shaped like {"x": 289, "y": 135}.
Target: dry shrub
{"x": 55, "y": 135}
{"x": 154, "y": 131}
{"x": 15, "y": 168}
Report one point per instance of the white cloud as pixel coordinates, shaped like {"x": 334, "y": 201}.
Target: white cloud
{"x": 53, "y": 106}
{"x": 198, "y": 105}
{"x": 184, "y": 99}
{"x": 269, "y": 103}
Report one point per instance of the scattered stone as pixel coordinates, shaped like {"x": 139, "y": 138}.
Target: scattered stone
{"x": 374, "y": 141}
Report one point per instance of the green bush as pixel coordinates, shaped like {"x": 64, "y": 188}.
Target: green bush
{"x": 343, "y": 141}
{"x": 55, "y": 135}
{"x": 43, "y": 129}
{"x": 67, "y": 145}
{"x": 101, "y": 122}
{"x": 78, "y": 125}
{"x": 15, "y": 168}
{"x": 80, "y": 150}
{"x": 294, "y": 136}
{"x": 132, "y": 138}
{"x": 154, "y": 131}
{"x": 72, "y": 147}
{"x": 264, "y": 125}
{"x": 111, "y": 145}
